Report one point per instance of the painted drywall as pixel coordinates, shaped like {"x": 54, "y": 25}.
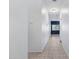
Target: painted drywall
{"x": 34, "y": 35}
{"x": 45, "y": 28}
{"x": 64, "y": 31}
{"x": 18, "y": 29}
{"x": 36, "y": 38}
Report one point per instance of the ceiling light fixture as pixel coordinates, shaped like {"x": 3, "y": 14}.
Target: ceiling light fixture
{"x": 54, "y": 0}
{"x": 53, "y": 10}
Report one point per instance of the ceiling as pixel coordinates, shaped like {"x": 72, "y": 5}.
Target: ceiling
{"x": 56, "y": 4}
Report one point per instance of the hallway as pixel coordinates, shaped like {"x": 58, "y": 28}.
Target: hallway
{"x": 53, "y": 50}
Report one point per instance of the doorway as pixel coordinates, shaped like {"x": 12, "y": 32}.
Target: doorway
{"x": 55, "y": 27}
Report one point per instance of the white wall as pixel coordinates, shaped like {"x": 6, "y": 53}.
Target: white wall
{"x": 64, "y": 31}
{"x": 18, "y": 29}
{"x": 34, "y": 25}
{"x": 46, "y": 30}
{"x": 36, "y": 41}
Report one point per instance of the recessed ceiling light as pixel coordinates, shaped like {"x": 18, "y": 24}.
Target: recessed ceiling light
{"x": 53, "y": 10}
{"x": 54, "y": 0}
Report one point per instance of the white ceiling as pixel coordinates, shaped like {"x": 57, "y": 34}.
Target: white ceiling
{"x": 58, "y": 4}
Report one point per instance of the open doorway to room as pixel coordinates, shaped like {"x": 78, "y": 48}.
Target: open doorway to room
{"x": 55, "y": 27}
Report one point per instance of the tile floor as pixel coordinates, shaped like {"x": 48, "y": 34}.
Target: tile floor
{"x": 53, "y": 50}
